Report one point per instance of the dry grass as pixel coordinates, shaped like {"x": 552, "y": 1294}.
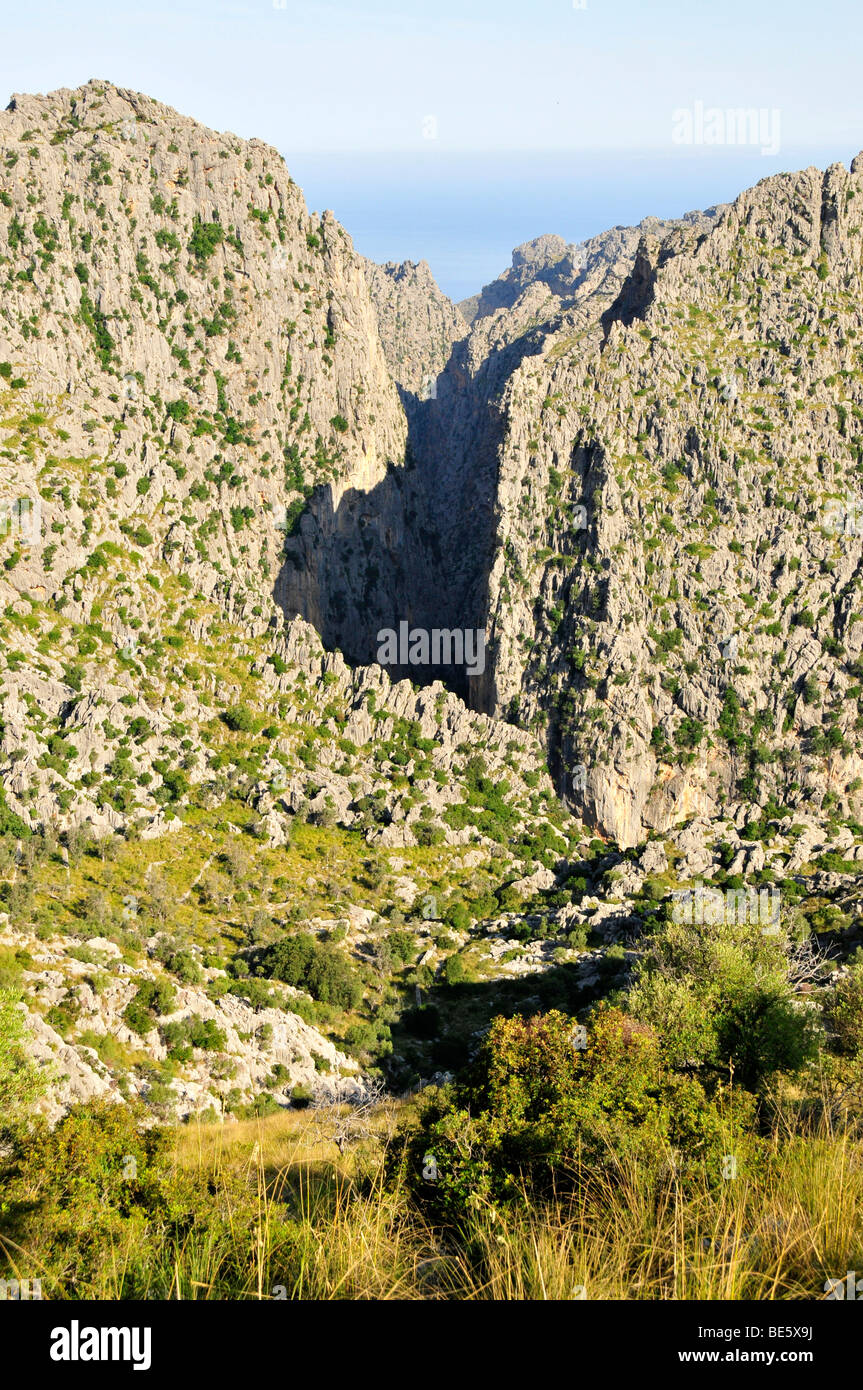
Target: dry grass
{"x": 281, "y": 1212}
{"x": 619, "y": 1234}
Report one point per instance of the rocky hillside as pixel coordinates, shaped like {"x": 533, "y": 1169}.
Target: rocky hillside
{"x": 639, "y": 474}
{"x": 191, "y": 376}
{"x": 573, "y": 272}
{"x": 243, "y": 864}
{"x": 186, "y": 359}
{"x": 677, "y": 548}
{"x": 456, "y": 429}
{"x": 418, "y": 324}
{"x": 203, "y": 351}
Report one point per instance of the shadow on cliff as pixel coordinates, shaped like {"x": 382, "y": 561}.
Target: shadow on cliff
{"x": 419, "y": 545}
{"x": 442, "y": 1033}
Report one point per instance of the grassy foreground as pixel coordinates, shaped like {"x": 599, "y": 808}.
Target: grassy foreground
{"x": 298, "y": 1206}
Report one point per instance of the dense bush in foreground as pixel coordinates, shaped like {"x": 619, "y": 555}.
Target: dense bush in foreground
{"x": 537, "y": 1104}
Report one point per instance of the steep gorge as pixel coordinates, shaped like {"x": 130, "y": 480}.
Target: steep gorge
{"x": 641, "y": 451}
{"x": 636, "y": 464}
{"x": 633, "y": 463}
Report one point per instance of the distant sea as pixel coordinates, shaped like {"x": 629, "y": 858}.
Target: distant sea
{"x": 464, "y": 213}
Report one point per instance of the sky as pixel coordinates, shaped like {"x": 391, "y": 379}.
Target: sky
{"x": 452, "y": 130}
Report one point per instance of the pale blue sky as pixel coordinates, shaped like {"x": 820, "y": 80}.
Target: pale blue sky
{"x": 378, "y": 79}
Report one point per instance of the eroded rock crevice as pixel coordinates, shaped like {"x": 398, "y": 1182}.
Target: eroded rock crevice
{"x": 421, "y": 544}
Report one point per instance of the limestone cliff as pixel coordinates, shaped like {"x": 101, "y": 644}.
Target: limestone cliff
{"x": 674, "y": 588}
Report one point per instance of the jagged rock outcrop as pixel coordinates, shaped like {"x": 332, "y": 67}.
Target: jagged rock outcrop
{"x": 552, "y": 293}
{"x": 193, "y": 353}
{"x": 418, "y": 324}
{"x": 237, "y": 1058}
{"x": 574, "y": 271}
{"x": 676, "y": 525}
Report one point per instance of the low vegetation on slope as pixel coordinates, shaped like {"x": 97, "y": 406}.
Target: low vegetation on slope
{"x": 310, "y": 984}
{"x": 328, "y": 1204}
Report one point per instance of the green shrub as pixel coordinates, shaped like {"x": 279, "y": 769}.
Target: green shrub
{"x": 456, "y": 916}
{"x": 719, "y": 997}
{"x": 315, "y": 966}
{"x": 77, "y": 1195}
{"x": 10, "y": 823}
{"x": 152, "y": 998}
{"x": 184, "y": 965}
{"x": 454, "y": 971}
{"x": 205, "y": 239}
{"x": 20, "y": 1081}
{"x": 534, "y": 1103}
{"x": 845, "y": 1012}
{"x": 240, "y": 719}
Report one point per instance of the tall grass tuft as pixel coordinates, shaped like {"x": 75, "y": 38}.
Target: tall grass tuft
{"x": 271, "y": 1209}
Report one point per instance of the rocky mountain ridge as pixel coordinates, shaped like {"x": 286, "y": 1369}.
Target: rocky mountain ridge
{"x": 392, "y": 492}
{"x": 700, "y": 616}
{"x": 232, "y": 451}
